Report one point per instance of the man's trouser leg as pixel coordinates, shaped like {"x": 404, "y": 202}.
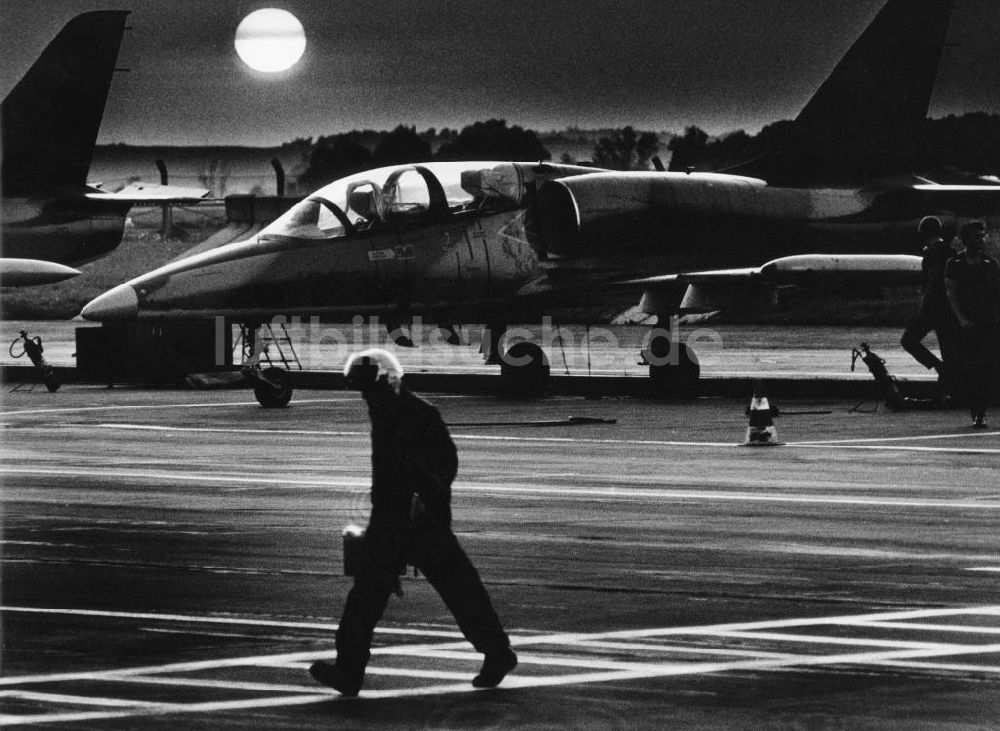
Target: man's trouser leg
{"x": 365, "y": 605}
{"x": 441, "y": 559}
{"x": 912, "y": 342}
{"x": 950, "y": 344}
{"x": 987, "y": 367}
{"x": 977, "y": 351}
{"x": 378, "y": 576}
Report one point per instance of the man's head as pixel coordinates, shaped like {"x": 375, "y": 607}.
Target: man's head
{"x": 973, "y": 235}
{"x": 930, "y": 227}
{"x": 364, "y": 369}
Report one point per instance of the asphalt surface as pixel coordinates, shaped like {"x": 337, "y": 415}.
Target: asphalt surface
{"x": 724, "y": 351}
{"x": 172, "y": 559}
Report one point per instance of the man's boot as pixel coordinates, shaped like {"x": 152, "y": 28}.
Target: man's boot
{"x": 334, "y": 676}
{"x": 495, "y": 668}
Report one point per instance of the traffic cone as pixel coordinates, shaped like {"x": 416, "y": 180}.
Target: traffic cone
{"x": 761, "y": 431}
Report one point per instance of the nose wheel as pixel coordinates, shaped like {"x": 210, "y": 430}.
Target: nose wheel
{"x": 271, "y": 386}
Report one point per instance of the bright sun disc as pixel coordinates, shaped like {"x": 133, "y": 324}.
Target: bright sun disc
{"x": 270, "y": 40}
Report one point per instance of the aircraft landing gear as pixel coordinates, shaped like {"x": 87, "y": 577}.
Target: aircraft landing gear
{"x": 399, "y": 335}
{"x": 524, "y": 367}
{"x": 525, "y": 370}
{"x": 490, "y": 347}
{"x": 271, "y": 386}
{"x": 674, "y": 369}
{"x": 449, "y": 333}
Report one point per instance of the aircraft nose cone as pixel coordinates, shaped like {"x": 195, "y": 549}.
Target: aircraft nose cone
{"x": 120, "y": 303}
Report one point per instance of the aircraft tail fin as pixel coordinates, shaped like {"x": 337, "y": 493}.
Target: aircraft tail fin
{"x": 867, "y": 117}
{"x": 51, "y": 119}
{"x": 882, "y": 88}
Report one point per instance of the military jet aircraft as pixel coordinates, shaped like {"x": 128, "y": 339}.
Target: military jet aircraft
{"x": 50, "y": 217}
{"x": 469, "y": 241}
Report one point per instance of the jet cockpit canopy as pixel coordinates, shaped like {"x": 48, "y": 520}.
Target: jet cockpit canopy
{"x": 399, "y": 194}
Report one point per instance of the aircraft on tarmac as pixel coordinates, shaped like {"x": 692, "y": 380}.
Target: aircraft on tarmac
{"x": 50, "y": 217}
{"x": 469, "y": 241}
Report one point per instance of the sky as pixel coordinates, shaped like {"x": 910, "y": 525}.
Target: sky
{"x": 657, "y": 65}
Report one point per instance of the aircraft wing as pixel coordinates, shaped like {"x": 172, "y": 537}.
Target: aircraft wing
{"x": 152, "y": 194}
{"x": 31, "y": 272}
{"x": 884, "y": 269}
{"x": 716, "y": 289}
{"x": 960, "y": 200}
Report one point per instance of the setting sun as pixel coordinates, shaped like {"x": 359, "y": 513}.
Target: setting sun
{"x": 270, "y": 40}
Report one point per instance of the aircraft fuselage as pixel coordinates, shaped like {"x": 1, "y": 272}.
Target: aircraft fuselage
{"x": 436, "y": 249}
{"x": 672, "y": 222}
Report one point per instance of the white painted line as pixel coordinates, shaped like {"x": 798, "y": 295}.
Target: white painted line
{"x": 232, "y": 430}
{"x": 191, "y": 632}
{"x": 80, "y": 700}
{"x": 664, "y": 494}
{"x": 456, "y": 436}
{"x": 330, "y": 627}
{"x": 845, "y": 641}
{"x": 611, "y": 671}
{"x": 160, "y": 407}
{"x": 676, "y": 649}
{"x": 944, "y": 667}
{"x": 474, "y": 658}
{"x": 922, "y": 437}
{"x": 164, "y": 476}
{"x": 650, "y": 671}
{"x": 226, "y": 684}
{"x": 654, "y": 670}
{"x": 986, "y": 569}
{"x": 836, "y": 444}
{"x": 543, "y": 639}
{"x": 257, "y": 703}
{"x": 416, "y": 673}
{"x": 412, "y": 672}
{"x": 185, "y": 667}
{"x": 986, "y": 611}
{"x": 896, "y": 448}
{"x": 668, "y": 494}
{"x": 925, "y": 627}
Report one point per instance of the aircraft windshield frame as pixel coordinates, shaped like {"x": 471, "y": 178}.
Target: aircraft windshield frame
{"x": 399, "y": 194}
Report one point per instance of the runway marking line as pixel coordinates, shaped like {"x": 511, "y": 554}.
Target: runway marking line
{"x": 81, "y": 700}
{"x": 877, "y": 443}
{"x": 564, "y": 669}
{"x": 861, "y": 443}
{"x": 159, "y": 407}
{"x": 922, "y": 437}
{"x": 944, "y": 667}
{"x": 522, "y": 492}
{"x": 206, "y": 405}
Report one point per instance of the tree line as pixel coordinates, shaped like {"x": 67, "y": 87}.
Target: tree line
{"x": 335, "y": 156}
{"x": 950, "y": 149}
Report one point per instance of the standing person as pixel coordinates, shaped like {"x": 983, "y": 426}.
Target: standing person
{"x": 973, "y": 286}
{"x": 935, "y": 312}
{"x": 413, "y": 464}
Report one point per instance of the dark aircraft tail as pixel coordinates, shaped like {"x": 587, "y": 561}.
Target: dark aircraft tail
{"x": 866, "y": 120}
{"x": 51, "y": 118}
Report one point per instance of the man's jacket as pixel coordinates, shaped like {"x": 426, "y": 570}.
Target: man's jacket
{"x": 412, "y": 453}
